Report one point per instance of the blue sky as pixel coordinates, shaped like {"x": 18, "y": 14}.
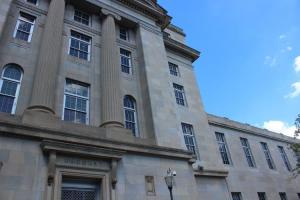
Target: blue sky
{"x": 248, "y": 70}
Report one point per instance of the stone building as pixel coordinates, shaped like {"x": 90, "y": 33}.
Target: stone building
{"x": 98, "y": 100}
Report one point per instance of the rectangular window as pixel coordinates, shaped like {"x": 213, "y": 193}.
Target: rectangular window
{"x": 189, "y": 137}
{"x": 173, "y": 69}
{"x": 299, "y": 195}
{"x": 125, "y": 61}
{"x": 179, "y": 94}
{"x": 76, "y": 102}
{"x": 268, "y": 155}
{"x": 124, "y": 33}
{"x": 81, "y": 17}
{"x": 32, "y": 1}
{"x": 285, "y": 158}
{"x": 262, "y": 196}
{"x": 236, "y": 196}
{"x": 248, "y": 152}
{"x": 24, "y": 27}
{"x": 80, "y": 45}
{"x": 282, "y": 195}
{"x": 223, "y": 148}
{"x": 80, "y": 189}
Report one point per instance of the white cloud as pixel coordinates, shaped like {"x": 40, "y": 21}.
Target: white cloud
{"x": 289, "y": 48}
{"x": 271, "y": 61}
{"x": 282, "y": 36}
{"x": 297, "y": 64}
{"x": 280, "y": 127}
{"x": 296, "y": 92}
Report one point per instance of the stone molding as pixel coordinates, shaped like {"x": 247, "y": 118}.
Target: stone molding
{"x": 181, "y": 48}
{"x": 212, "y": 173}
{"x": 30, "y": 7}
{"x": 246, "y": 128}
{"x": 85, "y": 28}
{"x": 13, "y": 126}
{"x": 156, "y": 12}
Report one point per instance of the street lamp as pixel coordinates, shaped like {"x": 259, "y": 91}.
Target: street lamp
{"x": 170, "y": 181}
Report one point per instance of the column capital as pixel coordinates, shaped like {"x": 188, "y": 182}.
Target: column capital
{"x": 111, "y": 13}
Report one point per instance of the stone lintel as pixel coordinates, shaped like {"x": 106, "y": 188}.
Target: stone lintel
{"x": 81, "y": 150}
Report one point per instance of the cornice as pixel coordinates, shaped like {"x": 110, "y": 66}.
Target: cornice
{"x": 157, "y": 12}
{"x": 181, "y": 48}
{"x": 13, "y": 126}
{"x": 237, "y": 126}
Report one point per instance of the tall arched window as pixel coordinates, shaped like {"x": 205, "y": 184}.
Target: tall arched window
{"x": 130, "y": 114}
{"x": 10, "y": 87}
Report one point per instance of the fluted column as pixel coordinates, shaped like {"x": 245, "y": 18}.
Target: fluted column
{"x": 44, "y": 85}
{"x": 111, "y": 104}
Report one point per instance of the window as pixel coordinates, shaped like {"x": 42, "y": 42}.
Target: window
{"x": 173, "y": 69}
{"x": 248, "y": 152}
{"x": 10, "y": 87}
{"x": 124, "y": 33}
{"x": 80, "y": 189}
{"x": 179, "y": 94}
{"x": 189, "y": 137}
{"x": 236, "y": 196}
{"x": 262, "y": 196}
{"x": 285, "y": 158}
{"x": 125, "y": 61}
{"x": 298, "y": 195}
{"x": 268, "y": 155}
{"x": 282, "y": 195}
{"x": 24, "y": 27}
{"x": 80, "y": 45}
{"x": 130, "y": 114}
{"x": 32, "y": 1}
{"x": 223, "y": 148}
{"x": 76, "y": 102}
{"x": 81, "y": 17}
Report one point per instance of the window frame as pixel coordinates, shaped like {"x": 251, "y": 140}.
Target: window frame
{"x": 134, "y": 110}
{"x": 192, "y": 136}
{"x": 268, "y": 156}
{"x": 89, "y": 45}
{"x": 247, "y": 150}
{"x": 283, "y": 195}
{"x": 16, "y": 96}
{"x": 126, "y": 33}
{"x": 285, "y": 158}
{"x": 36, "y": 4}
{"x": 77, "y": 96}
{"x": 172, "y": 72}
{"x": 240, "y": 197}
{"x": 263, "y": 197}
{"x": 129, "y": 61}
{"x": 180, "y": 101}
{"x": 225, "y": 146}
{"x": 20, "y": 18}
{"x": 81, "y": 18}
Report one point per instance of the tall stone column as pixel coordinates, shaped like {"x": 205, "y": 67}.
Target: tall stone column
{"x": 111, "y": 101}
{"x": 44, "y": 85}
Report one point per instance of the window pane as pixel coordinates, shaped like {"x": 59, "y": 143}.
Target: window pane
{"x": 69, "y": 115}
{"x": 12, "y": 72}
{"x": 6, "y": 103}
{"x": 9, "y": 88}
{"x": 70, "y": 102}
{"x": 80, "y": 118}
{"x": 22, "y": 36}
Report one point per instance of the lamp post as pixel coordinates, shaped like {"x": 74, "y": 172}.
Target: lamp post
{"x": 169, "y": 178}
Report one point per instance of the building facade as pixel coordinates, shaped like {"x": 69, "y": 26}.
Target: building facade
{"x": 98, "y": 100}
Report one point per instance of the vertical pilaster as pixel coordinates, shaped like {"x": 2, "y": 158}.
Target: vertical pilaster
{"x": 4, "y": 10}
{"x": 111, "y": 101}
{"x": 44, "y": 85}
